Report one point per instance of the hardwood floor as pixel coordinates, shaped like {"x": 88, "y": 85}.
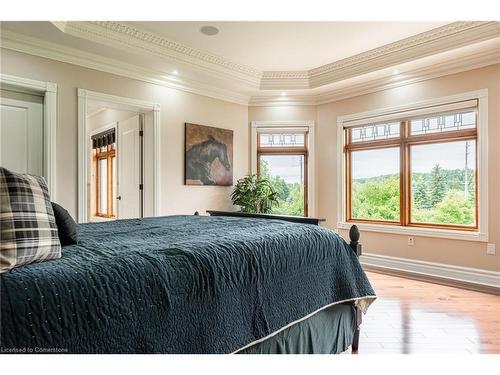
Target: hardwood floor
{"x": 412, "y": 316}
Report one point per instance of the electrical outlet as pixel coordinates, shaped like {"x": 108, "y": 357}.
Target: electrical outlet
{"x": 411, "y": 241}
{"x": 490, "y": 249}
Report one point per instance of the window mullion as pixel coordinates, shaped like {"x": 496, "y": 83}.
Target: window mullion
{"x": 405, "y": 173}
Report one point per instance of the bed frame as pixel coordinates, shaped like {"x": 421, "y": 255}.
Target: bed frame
{"x": 354, "y": 244}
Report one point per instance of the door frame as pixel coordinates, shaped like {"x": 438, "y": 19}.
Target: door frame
{"x": 49, "y": 92}
{"x": 135, "y": 105}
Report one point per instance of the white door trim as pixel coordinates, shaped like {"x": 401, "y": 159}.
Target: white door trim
{"x": 311, "y": 159}
{"x": 49, "y": 92}
{"x": 83, "y": 143}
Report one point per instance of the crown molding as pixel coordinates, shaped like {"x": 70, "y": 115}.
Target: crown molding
{"x": 116, "y": 35}
{"x": 441, "y": 39}
{"x": 457, "y": 65}
{"x": 53, "y": 51}
{"x": 38, "y": 47}
{"x": 281, "y": 80}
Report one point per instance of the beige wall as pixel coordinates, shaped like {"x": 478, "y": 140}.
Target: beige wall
{"x": 461, "y": 253}
{"x": 177, "y": 107}
{"x": 295, "y": 113}
{"x": 106, "y": 117}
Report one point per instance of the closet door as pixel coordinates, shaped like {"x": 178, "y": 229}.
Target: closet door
{"x": 129, "y": 169}
{"x": 21, "y": 132}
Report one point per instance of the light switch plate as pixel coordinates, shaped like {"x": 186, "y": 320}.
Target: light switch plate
{"x": 490, "y": 249}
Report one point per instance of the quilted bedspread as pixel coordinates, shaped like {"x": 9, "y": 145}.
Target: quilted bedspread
{"x": 176, "y": 284}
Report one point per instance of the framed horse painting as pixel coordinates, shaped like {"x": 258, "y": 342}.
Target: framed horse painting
{"x": 209, "y": 155}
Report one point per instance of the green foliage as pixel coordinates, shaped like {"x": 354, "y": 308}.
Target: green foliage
{"x": 290, "y": 195}
{"x": 377, "y": 200}
{"x": 255, "y": 194}
{"x": 438, "y": 197}
{"x": 454, "y": 209}
{"x": 293, "y": 203}
{"x": 420, "y": 194}
{"x": 437, "y": 189}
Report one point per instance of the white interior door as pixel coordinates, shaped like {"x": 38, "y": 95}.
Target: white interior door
{"x": 129, "y": 169}
{"x": 21, "y": 132}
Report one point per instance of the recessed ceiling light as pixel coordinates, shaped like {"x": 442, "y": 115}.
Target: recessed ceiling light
{"x": 395, "y": 71}
{"x": 283, "y": 93}
{"x": 209, "y": 30}
{"x": 175, "y": 72}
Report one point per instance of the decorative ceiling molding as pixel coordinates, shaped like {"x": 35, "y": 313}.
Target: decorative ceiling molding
{"x": 461, "y": 64}
{"x": 53, "y": 51}
{"x": 276, "y": 80}
{"x": 116, "y": 35}
{"x": 34, "y": 46}
{"x": 441, "y": 39}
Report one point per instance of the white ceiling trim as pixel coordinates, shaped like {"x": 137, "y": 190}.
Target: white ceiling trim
{"x": 130, "y": 38}
{"x": 441, "y": 39}
{"x": 53, "y": 51}
{"x": 38, "y": 47}
{"x": 461, "y": 64}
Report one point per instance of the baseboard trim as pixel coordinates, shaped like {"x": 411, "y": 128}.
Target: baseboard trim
{"x": 461, "y": 277}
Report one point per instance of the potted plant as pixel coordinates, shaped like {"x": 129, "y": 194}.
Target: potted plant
{"x": 255, "y": 194}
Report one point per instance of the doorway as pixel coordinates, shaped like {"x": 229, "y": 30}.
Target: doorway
{"x": 116, "y": 159}
{"x": 120, "y": 151}
{"x": 28, "y": 119}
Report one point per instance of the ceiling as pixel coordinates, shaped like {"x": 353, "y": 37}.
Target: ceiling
{"x": 264, "y": 63}
{"x": 287, "y": 45}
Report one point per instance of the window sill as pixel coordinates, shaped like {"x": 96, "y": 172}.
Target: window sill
{"x": 417, "y": 231}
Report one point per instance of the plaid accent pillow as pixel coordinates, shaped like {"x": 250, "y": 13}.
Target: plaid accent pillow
{"x": 28, "y": 230}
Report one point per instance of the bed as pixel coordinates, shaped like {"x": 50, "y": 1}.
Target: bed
{"x": 188, "y": 284}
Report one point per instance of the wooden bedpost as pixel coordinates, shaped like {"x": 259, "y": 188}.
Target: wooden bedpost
{"x": 354, "y": 236}
{"x": 356, "y": 247}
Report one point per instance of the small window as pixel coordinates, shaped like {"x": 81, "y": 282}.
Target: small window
{"x": 282, "y": 140}
{"x": 375, "y": 132}
{"x": 443, "y": 123}
{"x": 104, "y": 170}
{"x": 287, "y": 174}
{"x": 282, "y": 158}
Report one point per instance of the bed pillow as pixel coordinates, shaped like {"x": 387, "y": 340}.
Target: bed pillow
{"x": 66, "y": 226}
{"x": 28, "y": 229}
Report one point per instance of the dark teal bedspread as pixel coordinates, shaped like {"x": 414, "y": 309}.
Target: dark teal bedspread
{"x": 178, "y": 284}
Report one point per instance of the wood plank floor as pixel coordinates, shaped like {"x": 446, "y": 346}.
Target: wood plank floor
{"x": 412, "y": 316}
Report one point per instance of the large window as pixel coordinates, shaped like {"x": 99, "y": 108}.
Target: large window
{"x": 282, "y": 157}
{"x": 416, "y": 170}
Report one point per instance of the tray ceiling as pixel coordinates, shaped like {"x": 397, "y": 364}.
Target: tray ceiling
{"x": 287, "y": 45}
{"x": 254, "y": 62}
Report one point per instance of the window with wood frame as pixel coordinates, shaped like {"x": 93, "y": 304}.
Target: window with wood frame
{"x": 104, "y": 169}
{"x": 282, "y": 158}
{"x": 414, "y": 169}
